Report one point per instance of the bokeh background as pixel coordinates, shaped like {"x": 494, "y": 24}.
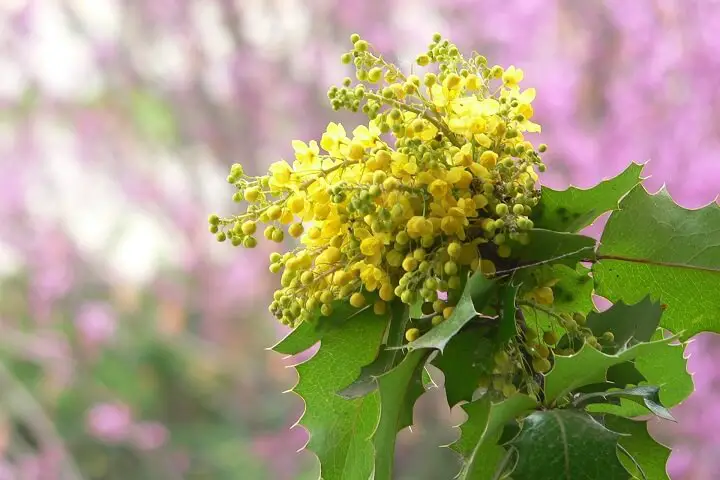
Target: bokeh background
{"x": 132, "y": 345}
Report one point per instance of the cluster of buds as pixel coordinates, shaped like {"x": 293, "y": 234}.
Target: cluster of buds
{"x": 440, "y": 182}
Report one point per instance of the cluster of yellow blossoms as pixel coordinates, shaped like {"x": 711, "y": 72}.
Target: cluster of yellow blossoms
{"x": 440, "y": 182}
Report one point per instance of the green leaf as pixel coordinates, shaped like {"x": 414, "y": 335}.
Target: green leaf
{"x": 479, "y": 435}
{"x": 567, "y": 444}
{"x": 399, "y": 390}
{"x": 573, "y": 209}
{"x": 645, "y": 395}
{"x": 651, "y": 246}
{"x": 507, "y": 328}
{"x": 387, "y": 359}
{"x": 556, "y": 247}
{"x": 590, "y": 366}
{"x": 476, "y": 295}
{"x": 427, "y": 379}
{"x": 340, "y": 429}
{"x": 649, "y": 454}
{"x": 666, "y": 368}
{"x": 626, "y": 322}
{"x": 310, "y": 332}
{"x": 467, "y": 357}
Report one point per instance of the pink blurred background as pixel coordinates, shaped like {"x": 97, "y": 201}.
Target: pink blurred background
{"x": 133, "y": 345}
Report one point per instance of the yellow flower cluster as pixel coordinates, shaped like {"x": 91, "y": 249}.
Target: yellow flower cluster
{"x": 440, "y": 182}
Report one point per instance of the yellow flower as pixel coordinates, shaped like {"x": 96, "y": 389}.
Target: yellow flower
{"x": 419, "y": 227}
{"x": 304, "y": 153}
{"x": 366, "y": 136}
{"x": 438, "y": 189}
{"x": 280, "y": 174}
{"x": 333, "y": 138}
{"x": 488, "y": 159}
{"x": 512, "y": 76}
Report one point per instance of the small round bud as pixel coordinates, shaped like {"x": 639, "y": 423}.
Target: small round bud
{"x": 504, "y": 251}
{"x": 541, "y": 350}
{"x": 608, "y": 337}
{"x": 423, "y": 60}
{"x": 354, "y": 38}
{"x": 295, "y": 230}
{"x": 541, "y": 365}
{"x": 346, "y": 58}
{"x": 454, "y": 250}
{"x": 550, "y": 337}
{"x": 361, "y": 46}
{"x": 412, "y": 334}
{"x": 501, "y": 209}
{"x": 214, "y": 219}
{"x": 447, "y": 312}
{"x": 278, "y": 235}
{"x": 249, "y": 227}
{"x": 221, "y": 237}
{"x": 250, "y": 242}
{"x": 357, "y": 300}
{"x": 374, "y": 74}
{"x": 579, "y": 318}
{"x": 326, "y": 310}
{"x": 542, "y": 148}
{"x": 450, "y": 268}
{"x": 437, "y": 320}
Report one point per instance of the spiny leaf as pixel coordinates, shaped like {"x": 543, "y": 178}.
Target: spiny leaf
{"x": 566, "y": 444}
{"x": 556, "y": 247}
{"x": 589, "y": 366}
{"x": 479, "y": 435}
{"x": 399, "y": 390}
{"x": 650, "y": 455}
{"x": 573, "y": 209}
{"x": 340, "y": 429}
{"x": 653, "y": 246}
{"x": 477, "y": 293}
{"x": 645, "y": 395}
{"x": 666, "y": 368}
{"x": 467, "y": 357}
{"x": 626, "y": 322}
{"x": 309, "y": 332}
{"x": 387, "y": 359}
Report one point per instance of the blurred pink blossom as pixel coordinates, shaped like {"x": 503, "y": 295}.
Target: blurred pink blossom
{"x": 96, "y": 323}
{"x": 109, "y": 422}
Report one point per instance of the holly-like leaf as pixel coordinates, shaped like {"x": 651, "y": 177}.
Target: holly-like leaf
{"x": 476, "y": 295}
{"x": 556, "y": 247}
{"x": 387, "y": 359}
{"x": 666, "y": 368}
{"x": 653, "y": 246}
{"x": 507, "y": 328}
{"x": 573, "y": 209}
{"x": 590, "y": 366}
{"x": 627, "y": 322}
{"x": 644, "y": 395}
{"x": 650, "y": 455}
{"x": 467, "y": 357}
{"x": 567, "y": 444}
{"x": 479, "y": 435}
{"x": 340, "y": 429}
{"x": 309, "y": 332}
{"x": 399, "y": 390}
